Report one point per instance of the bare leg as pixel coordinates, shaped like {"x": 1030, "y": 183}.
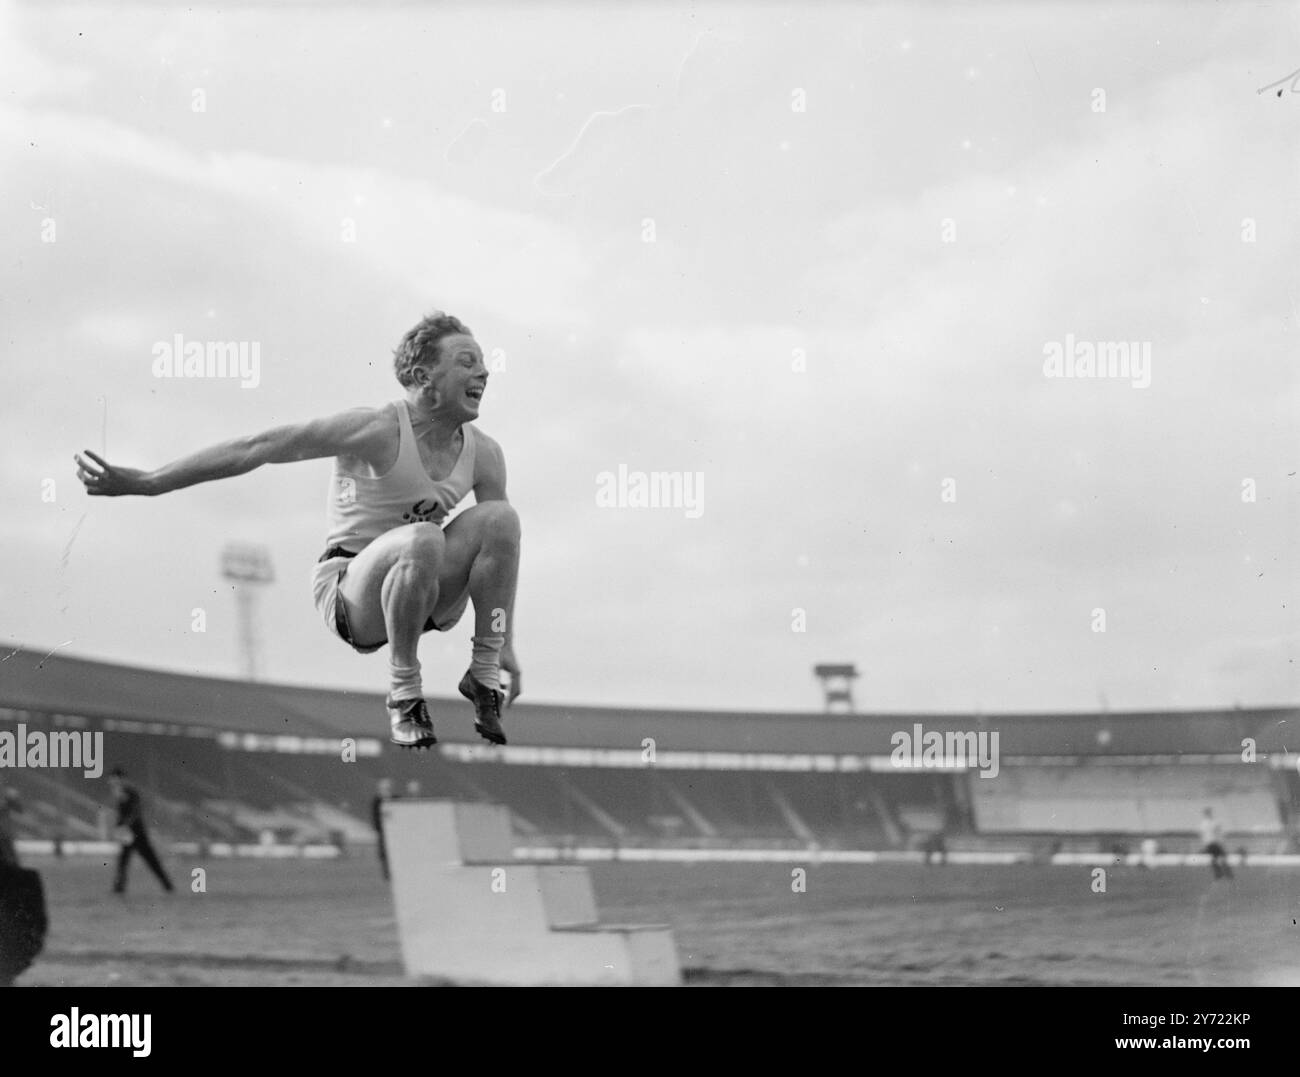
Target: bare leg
{"x": 494, "y": 573}
{"x": 417, "y": 571}
{"x": 392, "y": 586}
{"x": 409, "y": 593}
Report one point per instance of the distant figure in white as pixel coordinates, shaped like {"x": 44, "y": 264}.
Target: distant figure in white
{"x": 1212, "y": 842}
{"x": 391, "y": 570}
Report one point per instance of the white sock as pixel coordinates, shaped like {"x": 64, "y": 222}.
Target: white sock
{"x": 405, "y": 681}
{"x": 485, "y": 663}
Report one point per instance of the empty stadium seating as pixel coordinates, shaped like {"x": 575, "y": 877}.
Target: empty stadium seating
{"x": 232, "y": 762}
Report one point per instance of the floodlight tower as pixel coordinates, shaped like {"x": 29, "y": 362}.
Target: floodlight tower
{"x": 248, "y": 568}
{"x": 837, "y": 683}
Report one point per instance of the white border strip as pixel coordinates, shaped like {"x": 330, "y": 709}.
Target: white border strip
{"x": 634, "y": 855}
{"x": 221, "y": 849}
{"x": 641, "y": 759}
{"x": 864, "y": 856}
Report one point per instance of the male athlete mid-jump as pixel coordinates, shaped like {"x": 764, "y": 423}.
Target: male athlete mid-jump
{"x": 390, "y": 570}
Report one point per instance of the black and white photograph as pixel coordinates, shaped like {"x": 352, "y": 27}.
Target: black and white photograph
{"x": 650, "y": 495}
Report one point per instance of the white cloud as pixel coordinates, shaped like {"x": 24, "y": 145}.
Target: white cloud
{"x": 25, "y": 73}
{"x": 433, "y": 243}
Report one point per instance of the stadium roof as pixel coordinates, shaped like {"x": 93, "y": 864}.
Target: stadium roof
{"x": 57, "y": 684}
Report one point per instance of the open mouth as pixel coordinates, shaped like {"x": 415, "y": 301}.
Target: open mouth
{"x": 475, "y": 393}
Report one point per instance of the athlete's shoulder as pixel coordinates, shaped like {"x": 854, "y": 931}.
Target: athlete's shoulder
{"x": 364, "y": 416}
{"x": 366, "y": 432}
{"x": 489, "y": 468}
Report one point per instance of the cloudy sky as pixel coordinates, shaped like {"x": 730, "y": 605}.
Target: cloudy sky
{"x": 811, "y": 253}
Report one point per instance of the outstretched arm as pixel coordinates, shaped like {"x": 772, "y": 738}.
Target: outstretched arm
{"x": 357, "y": 433}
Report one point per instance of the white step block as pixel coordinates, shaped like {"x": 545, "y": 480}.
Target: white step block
{"x": 648, "y": 951}
{"x": 462, "y": 919}
{"x": 506, "y": 899}
{"x": 567, "y": 893}
{"x": 593, "y": 956}
{"x": 449, "y": 831}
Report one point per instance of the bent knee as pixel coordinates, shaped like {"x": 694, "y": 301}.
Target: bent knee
{"x": 424, "y": 545}
{"x": 500, "y": 521}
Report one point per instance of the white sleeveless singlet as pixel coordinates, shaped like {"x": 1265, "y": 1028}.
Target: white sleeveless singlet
{"x": 362, "y": 506}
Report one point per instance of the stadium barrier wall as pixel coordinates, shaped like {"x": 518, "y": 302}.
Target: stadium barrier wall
{"x": 1128, "y": 800}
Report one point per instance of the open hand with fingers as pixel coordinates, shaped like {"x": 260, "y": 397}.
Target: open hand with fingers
{"x": 101, "y": 478}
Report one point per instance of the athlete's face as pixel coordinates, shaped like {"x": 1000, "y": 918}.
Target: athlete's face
{"x": 455, "y": 383}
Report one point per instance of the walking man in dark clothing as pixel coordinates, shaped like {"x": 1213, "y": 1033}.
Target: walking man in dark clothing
{"x": 134, "y": 837}
{"x": 1212, "y": 840}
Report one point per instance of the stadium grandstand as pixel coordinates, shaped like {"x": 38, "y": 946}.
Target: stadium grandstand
{"x": 240, "y": 763}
